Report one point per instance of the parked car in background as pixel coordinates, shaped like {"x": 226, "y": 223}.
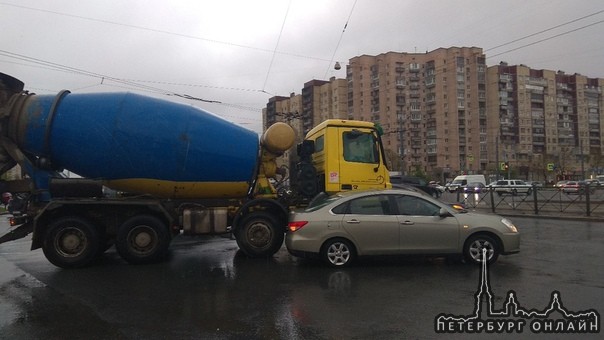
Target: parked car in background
{"x": 417, "y": 182}
{"x": 341, "y": 227}
{"x": 535, "y": 184}
{"x": 475, "y": 187}
{"x": 513, "y": 187}
{"x": 560, "y": 184}
{"x": 576, "y": 187}
{"x": 492, "y": 185}
{"x": 461, "y": 181}
{"x": 592, "y": 182}
{"x": 437, "y": 185}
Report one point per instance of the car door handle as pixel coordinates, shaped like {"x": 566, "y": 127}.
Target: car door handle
{"x": 407, "y": 223}
{"x": 353, "y": 221}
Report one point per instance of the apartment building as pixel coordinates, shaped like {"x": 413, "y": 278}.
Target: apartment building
{"x": 285, "y": 109}
{"x": 445, "y": 113}
{"x": 546, "y": 124}
{"x": 431, "y": 105}
{"x": 322, "y": 100}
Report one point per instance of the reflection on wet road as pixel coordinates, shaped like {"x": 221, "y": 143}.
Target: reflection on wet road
{"x": 207, "y": 289}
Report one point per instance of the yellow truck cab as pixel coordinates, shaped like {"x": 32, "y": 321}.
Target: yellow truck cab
{"x": 349, "y": 155}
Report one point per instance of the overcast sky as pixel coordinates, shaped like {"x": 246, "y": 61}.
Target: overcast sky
{"x": 241, "y": 53}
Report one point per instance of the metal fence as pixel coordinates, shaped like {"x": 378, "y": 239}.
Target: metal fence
{"x": 588, "y": 202}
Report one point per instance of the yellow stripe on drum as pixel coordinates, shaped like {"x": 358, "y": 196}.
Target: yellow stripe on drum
{"x": 172, "y": 189}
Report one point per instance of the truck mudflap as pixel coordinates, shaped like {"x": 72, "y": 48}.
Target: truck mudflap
{"x": 17, "y": 233}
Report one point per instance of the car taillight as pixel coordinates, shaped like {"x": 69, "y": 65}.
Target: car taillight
{"x": 293, "y": 226}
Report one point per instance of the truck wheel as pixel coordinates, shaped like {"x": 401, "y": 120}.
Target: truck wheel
{"x": 71, "y": 242}
{"x": 142, "y": 239}
{"x": 259, "y": 235}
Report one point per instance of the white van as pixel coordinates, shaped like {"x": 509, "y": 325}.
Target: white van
{"x": 462, "y": 180}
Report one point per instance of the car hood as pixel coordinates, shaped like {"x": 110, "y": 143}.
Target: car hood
{"x": 478, "y": 219}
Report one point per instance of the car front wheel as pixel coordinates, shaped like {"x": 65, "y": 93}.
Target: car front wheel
{"x": 481, "y": 245}
{"x": 338, "y": 253}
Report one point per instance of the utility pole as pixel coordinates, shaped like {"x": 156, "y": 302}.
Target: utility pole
{"x": 582, "y": 162}
{"x": 402, "y": 149}
{"x": 497, "y": 156}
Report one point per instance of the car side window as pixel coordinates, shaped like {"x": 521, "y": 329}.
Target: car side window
{"x": 415, "y": 206}
{"x": 369, "y": 205}
{"x": 340, "y": 209}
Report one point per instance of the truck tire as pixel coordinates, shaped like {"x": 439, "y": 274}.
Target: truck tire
{"x": 71, "y": 242}
{"x": 259, "y": 235}
{"x": 142, "y": 239}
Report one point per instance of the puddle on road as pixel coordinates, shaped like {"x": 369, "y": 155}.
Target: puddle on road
{"x": 15, "y": 286}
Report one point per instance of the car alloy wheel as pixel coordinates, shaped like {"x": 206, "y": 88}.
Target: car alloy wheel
{"x": 475, "y": 245}
{"x": 338, "y": 253}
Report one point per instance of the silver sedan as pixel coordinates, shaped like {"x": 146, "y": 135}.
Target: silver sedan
{"x": 341, "y": 227}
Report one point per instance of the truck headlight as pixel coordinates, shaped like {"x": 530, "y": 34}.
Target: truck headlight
{"x": 509, "y": 224}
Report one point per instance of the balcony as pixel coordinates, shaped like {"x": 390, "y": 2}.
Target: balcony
{"x": 538, "y": 81}
{"x": 592, "y": 89}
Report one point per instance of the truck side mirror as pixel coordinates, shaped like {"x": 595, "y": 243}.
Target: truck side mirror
{"x": 306, "y": 148}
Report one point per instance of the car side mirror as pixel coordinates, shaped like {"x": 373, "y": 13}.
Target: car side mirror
{"x": 444, "y": 213}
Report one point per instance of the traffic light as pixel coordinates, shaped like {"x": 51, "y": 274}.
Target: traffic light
{"x": 506, "y": 166}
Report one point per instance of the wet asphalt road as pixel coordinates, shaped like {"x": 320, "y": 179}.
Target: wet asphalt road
{"x": 207, "y": 290}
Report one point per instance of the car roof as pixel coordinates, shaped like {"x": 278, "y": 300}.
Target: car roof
{"x": 403, "y": 191}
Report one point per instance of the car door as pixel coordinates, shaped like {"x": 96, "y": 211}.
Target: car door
{"x": 422, "y": 230}
{"x": 371, "y": 225}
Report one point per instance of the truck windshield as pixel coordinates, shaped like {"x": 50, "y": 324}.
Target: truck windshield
{"x": 360, "y": 147}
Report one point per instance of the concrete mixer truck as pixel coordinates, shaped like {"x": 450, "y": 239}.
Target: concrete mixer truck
{"x": 176, "y": 170}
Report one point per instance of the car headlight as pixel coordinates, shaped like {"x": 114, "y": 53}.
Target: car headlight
{"x": 509, "y": 224}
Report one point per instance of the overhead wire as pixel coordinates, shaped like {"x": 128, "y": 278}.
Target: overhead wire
{"x": 137, "y": 83}
{"x": 275, "y": 51}
{"x": 65, "y": 68}
{"x": 546, "y": 39}
{"x": 168, "y": 32}
{"x": 276, "y": 46}
{"x": 123, "y": 83}
{"x": 543, "y": 31}
{"x": 340, "y": 40}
